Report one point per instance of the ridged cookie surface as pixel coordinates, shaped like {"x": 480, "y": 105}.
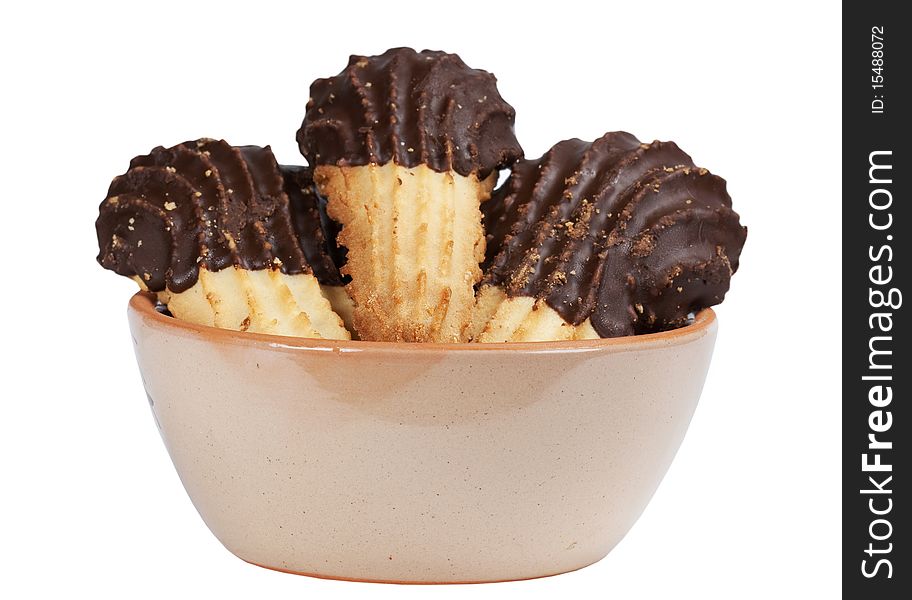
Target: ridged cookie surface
{"x": 617, "y": 236}
{"x": 225, "y": 237}
{"x": 414, "y": 243}
{"x": 405, "y": 146}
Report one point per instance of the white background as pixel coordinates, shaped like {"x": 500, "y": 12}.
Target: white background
{"x": 91, "y": 506}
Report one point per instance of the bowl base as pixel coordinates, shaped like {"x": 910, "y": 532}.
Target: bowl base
{"x": 416, "y": 582}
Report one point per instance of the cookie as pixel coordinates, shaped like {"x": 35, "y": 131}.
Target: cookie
{"x": 604, "y": 239}
{"x": 405, "y": 147}
{"x": 210, "y": 228}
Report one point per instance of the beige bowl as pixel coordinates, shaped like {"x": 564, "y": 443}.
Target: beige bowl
{"x": 419, "y": 462}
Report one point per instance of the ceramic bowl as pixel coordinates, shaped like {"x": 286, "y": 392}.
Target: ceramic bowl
{"x": 419, "y": 463}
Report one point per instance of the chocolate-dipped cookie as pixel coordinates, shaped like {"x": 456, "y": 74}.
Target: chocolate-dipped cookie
{"x": 224, "y": 237}
{"x": 604, "y": 239}
{"x": 406, "y": 146}
{"x": 317, "y": 235}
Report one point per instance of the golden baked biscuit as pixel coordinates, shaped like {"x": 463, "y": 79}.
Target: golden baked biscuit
{"x": 414, "y": 242}
{"x": 405, "y": 147}
{"x": 224, "y": 237}
{"x": 604, "y": 239}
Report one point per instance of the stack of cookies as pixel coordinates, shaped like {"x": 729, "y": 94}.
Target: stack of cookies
{"x": 395, "y": 232}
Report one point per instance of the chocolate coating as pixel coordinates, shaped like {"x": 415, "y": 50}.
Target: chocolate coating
{"x": 316, "y": 231}
{"x": 208, "y": 203}
{"x": 632, "y": 236}
{"x": 412, "y": 108}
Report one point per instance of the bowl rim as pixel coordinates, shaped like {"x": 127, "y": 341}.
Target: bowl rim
{"x": 142, "y": 305}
